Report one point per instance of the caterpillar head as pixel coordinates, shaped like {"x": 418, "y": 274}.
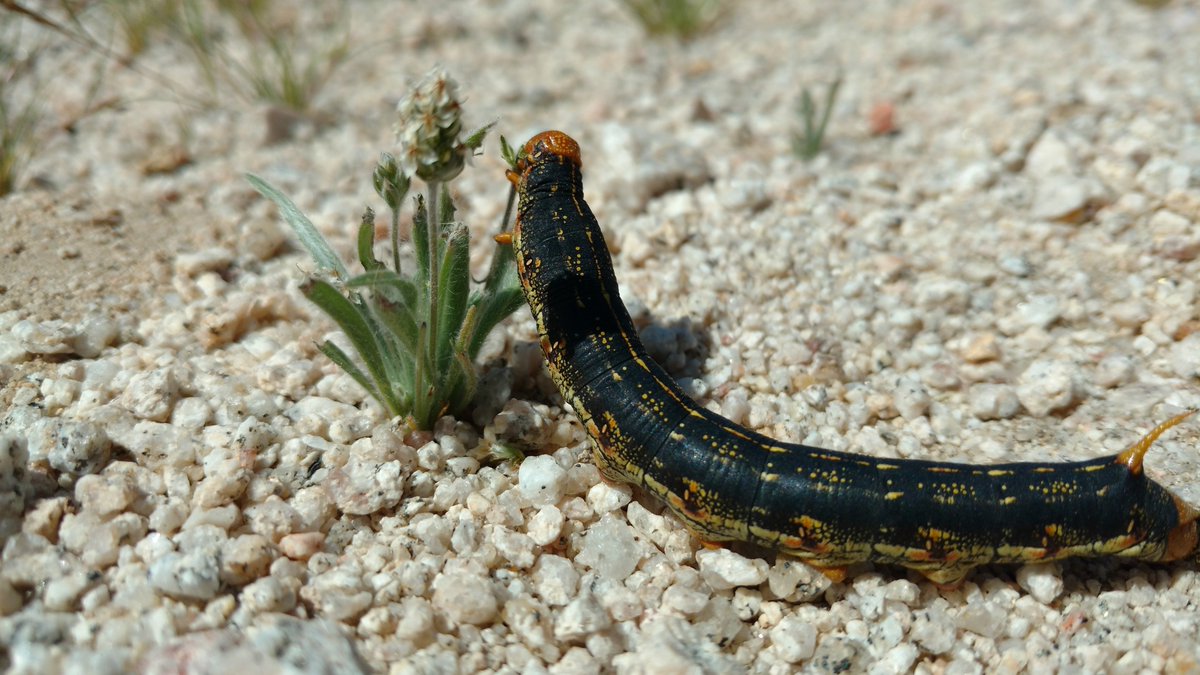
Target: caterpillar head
{"x": 544, "y": 147}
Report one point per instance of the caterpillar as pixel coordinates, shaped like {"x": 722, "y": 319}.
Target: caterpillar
{"x": 831, "y": 509}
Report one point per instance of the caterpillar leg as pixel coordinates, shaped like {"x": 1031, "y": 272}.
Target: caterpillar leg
{"x": 947, "y": 578}
{"x": 834, "y": 573}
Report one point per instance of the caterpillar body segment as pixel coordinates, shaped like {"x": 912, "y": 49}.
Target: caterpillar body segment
{"x": 832, "y": 509}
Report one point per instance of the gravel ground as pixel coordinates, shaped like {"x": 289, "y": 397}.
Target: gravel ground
{"x": 995, "y": 259}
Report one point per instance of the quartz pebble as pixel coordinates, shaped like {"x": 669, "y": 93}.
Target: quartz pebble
{"x": 609, "y": 548}
{"x": 465, "y": 598}
{"x": 722, "y": 569}
{"x": 794, "y": 639}
{"x": 993, "y": 401}
{"x": 541, "y": 479}
{"x": 1043, "y": 582}
{"x": 1046, "y": 386}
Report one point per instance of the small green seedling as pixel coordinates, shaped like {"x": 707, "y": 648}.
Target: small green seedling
{"x": 808, "y": 144}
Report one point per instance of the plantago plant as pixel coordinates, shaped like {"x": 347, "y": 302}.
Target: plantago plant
{"x": 416, "y": 335}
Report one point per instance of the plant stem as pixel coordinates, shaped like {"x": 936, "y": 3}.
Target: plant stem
{"x": 396, "y": 239}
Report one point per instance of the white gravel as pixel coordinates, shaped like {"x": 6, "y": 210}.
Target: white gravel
{"x": 1011, "y": 275}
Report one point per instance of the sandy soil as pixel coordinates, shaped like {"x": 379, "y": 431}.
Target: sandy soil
{"x": 994, "y": 259}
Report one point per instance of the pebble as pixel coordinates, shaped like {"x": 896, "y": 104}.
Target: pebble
{"x": 796, "y": 581}
{"x": 606, "y": 497}
{"x": 896, "y": 661}
{"x": 911, "y": 399}
{"x": 933, "y": 630}
{"x": 50, "y": 337}
{"x": 555, "y": 579}
{"x": 1047, "y": 386}
{"x": 724, "y": 569}
{"x": 1114, "y": 370}
{"x": 150, "y": 395}
{"x": 105, "y": 496}
{"x": 71, "y": 447}
{"x": 982, "y": 618}
{"x": 1185, "y": 357}
{"x": 339, "y": 594}
{"x": 609, "y": 548}
{"x": 545, "y": 525}
{"x": 245, "y": 558}
{"x": 579, "y": 618}
{"x": 363, "y": 488}
{"x": 516, "y": 547}
{"x": 541, "y": 479}
{"x": 686, "y": 601}
{"x": 465, "y": 598}
{"x": 993, "y": 401}
{"x": 794, "y": 639}
{"x": 1044, "y": 582}
{"x": 981, "y": 347}
{"x": 194, "y": 575}
{"x": 1066, "y": 198}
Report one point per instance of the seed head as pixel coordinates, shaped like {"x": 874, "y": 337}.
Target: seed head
{"x": 428, "y": 124}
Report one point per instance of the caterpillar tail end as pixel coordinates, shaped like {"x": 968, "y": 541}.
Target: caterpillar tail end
{"x": 1184, "y": 539}
{"x": 1132, "y": 456}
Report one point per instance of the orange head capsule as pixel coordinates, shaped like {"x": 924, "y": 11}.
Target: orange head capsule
{"x": 551, "y": 143}
{"x": 543, "y": 147}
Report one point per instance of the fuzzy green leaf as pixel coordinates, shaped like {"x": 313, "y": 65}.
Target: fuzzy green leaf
{"x": 312, "y": 240}
{"x": 394, "y": 287}
{"x": 454, "y": 289}
{"x": 446, "y": 210}
{"x": 502, "y": 295}
{"x": 475, "y": 140}
{"x": 343, "y": 361}
{"x": 363, "y": 333}
{"x": 420, "y": 237}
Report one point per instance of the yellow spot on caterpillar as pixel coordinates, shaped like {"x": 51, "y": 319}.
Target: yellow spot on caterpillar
{"x": 892, "y": 496}
{"x": 1007, "y": 501}
{"x": 999, "y": 472}
{"x": 1092, "y": 467}
{"x": 1043, "y": 469}
{"x": 768, "y": 477}
{"x": 1054, "y": 530}
{"x": 892, "y": 551}
{"x": 933, "y": 535}
{"x": 809, "y": 523}
{"x": 942, "y": 469}
{"x": 886, "y": 467}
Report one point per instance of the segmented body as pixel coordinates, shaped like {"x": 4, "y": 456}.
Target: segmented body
{"x": 830, "y": 508}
